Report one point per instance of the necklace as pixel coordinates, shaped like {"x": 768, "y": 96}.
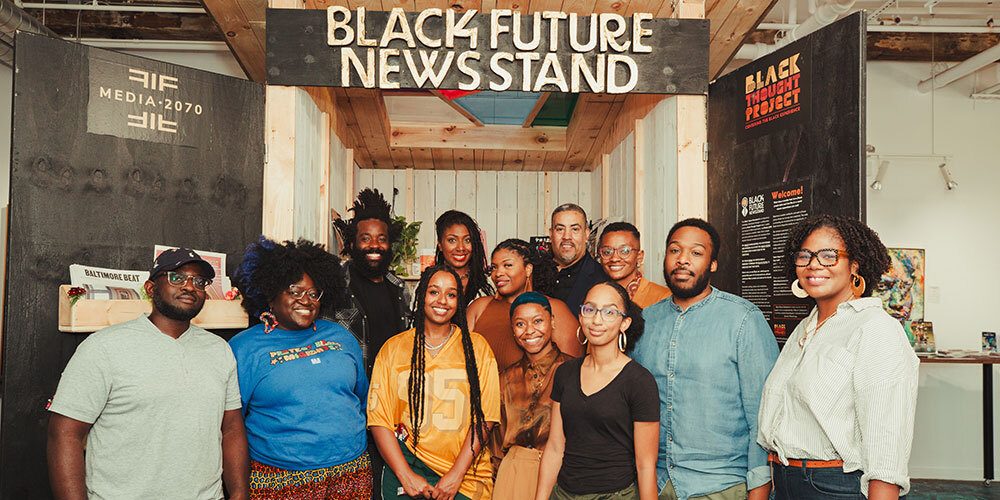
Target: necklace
{"x": 819, "y": 324}
{"x": 436, "y": 347}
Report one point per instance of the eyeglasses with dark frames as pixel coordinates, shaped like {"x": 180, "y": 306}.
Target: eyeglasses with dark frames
{"x": 297, "y": 293}
{"x": 179, "y": 279}
{"x": 607, "y": 313}
{"x": 826, "y": 257}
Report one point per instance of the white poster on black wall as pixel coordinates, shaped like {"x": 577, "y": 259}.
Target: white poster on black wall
{"x": 146, "y": 104}
{"x": 765, "y": 218}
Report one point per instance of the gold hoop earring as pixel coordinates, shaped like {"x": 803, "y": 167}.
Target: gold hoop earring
{"x": 583, "y": 340}
{"x": 857, "y": 285}
{"x": 622, "y": 342}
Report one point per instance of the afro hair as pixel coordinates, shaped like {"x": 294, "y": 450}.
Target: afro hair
{"x": 268, "y": 268}
{"x": 369, "y": 205}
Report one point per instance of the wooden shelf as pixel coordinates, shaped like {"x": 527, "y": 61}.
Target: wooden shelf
{"x": 92, "y": 315}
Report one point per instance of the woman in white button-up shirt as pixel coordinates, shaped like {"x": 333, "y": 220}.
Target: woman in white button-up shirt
{"x": 837, "y": 409}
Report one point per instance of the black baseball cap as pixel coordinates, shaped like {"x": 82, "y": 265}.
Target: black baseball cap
{"x": 171, "y": 259}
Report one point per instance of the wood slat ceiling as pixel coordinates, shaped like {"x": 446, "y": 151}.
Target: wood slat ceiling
{"x": 597, "y": 122}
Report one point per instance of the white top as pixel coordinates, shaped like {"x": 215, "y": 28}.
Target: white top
{"x": 849, "y": 394}
{"x": 156, "y": 404}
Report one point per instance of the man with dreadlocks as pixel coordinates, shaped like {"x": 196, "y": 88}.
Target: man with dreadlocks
{"x": 434, "y": 395}
{"x": 380, "y": 302}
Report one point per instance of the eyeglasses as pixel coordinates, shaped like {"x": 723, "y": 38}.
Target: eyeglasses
{"x": 179, "y": 279}
{"x": 623, "y": 252}
{"x": 607, "y": 313}
{"x": 297, "y": 293}
{"x": 826, "y": 257}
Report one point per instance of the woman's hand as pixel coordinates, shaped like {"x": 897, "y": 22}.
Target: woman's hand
{"x": 448, "y": 486}
{"x": 416, "y": 486}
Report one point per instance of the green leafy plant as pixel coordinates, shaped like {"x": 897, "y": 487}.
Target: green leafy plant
{"x": 405, "y": 248}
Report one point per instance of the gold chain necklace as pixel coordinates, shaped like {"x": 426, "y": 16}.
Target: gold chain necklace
{"x": 819, "y": 324}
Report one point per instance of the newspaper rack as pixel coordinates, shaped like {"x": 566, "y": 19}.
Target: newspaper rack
{"x": 89, "y": 315}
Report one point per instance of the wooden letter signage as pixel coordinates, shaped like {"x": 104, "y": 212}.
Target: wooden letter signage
{"x": 502, "y": 50}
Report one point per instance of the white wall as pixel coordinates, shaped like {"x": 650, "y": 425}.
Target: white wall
{"x": 217, "y": 61}
{"x": 959, "y": 230}
{"x": 504, "y": 204}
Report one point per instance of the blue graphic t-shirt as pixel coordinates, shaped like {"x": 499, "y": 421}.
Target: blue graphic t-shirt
{"x": 304, "y": 395}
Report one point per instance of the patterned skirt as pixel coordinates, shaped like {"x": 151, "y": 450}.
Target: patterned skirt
{"x": 350, "y": 481}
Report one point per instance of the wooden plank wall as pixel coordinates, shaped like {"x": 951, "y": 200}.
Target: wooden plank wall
{"x": 309, "y": 144}
{"x": 622, "y": 180}
{"x": 504, "y": 204}
{"x": 659, "y": 189}
{"x": 650, "y": 151}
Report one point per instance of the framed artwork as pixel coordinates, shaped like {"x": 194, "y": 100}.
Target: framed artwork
{"x": 902, "y": 288}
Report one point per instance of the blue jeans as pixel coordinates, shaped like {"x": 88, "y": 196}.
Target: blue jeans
{"x": 815, "y": 483}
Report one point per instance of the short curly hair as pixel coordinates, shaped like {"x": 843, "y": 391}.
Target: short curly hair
{"x": 369, "y": 205}
{"x": 861, "y": 242}
{"x": 269, "y": 267}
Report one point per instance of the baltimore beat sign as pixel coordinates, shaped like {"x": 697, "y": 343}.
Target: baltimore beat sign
{"x": 501, "y": 50}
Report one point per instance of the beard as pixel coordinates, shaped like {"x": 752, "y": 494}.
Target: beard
{"x": 370, "y": 269}
{"x": 171, "y": 311}
{"x": 696, "y": 288}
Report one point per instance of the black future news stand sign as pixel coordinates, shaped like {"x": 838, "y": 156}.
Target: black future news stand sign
{"x": 500, "y": 50}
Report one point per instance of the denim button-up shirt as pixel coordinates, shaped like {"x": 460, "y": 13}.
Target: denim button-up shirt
{"x": 710, "y": 363}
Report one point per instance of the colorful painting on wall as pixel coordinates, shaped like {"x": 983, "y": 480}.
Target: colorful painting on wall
{"x": 902, "y": 288}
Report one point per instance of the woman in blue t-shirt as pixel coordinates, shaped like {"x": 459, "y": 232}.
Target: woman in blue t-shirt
{"x": 302, "y": 379}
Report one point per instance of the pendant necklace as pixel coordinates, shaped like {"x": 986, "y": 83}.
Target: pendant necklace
{"x": 819, "y": 324}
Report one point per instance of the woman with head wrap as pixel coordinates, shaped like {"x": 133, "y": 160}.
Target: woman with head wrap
{"x": 526, "y": 406}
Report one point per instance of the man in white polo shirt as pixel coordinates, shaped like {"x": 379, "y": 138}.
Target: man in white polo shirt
{"x": 157, "y": 400}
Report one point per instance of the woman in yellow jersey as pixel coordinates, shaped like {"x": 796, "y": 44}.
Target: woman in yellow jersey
{"x": 434, "y": 394}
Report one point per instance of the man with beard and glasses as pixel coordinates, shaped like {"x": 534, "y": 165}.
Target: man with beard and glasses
{"x": 577, "y": 270}
{"x": 710, "y": 353}
{"x": 156, "y": 401}
{"x": 380, "y": 302}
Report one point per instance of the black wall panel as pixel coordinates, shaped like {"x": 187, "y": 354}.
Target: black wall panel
{"x": 816, "y": 140}
{"x": 88, "y": 188}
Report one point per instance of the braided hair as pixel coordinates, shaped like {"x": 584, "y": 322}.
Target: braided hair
{"x": 543, "y": 275}
{"x": 861, "y": 241}
{"x": 479, "y": 282}
{"x": 415, "y": 385}
{"x": 369, "y": 205}
{"x": 269, "y": 267}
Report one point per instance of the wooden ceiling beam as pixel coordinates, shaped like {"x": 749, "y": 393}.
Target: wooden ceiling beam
{"x": 732, "y": 21}
{"x": 457, "y": 107}
{"x": 492, "y": 137}
{"x": 242, "y": 23}
{"x": 544, "y": 96}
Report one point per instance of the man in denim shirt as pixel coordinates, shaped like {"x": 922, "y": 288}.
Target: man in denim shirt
{"x": 710, "y": 352}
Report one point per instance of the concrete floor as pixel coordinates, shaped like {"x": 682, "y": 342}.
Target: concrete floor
{"x": 925, "y": 489}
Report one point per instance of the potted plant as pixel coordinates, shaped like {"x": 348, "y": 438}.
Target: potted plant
{"x": 404, "y": 250}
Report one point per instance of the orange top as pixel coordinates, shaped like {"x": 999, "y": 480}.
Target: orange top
{"x": 649, "y": 293}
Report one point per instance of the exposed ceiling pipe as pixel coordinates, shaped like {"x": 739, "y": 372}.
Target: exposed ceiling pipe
{"x": 825, "y": 14}
{"x": 12, "y": 19}
{"x": 113, "y": 7}
{"x": 961, "y": 69}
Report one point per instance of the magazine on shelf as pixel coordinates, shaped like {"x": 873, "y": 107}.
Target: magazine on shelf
{"x": 101, "y": 283}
